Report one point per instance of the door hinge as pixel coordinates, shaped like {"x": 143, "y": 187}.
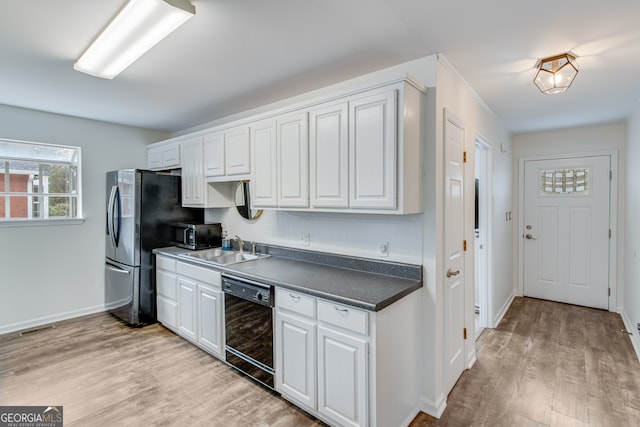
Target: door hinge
{"x": 609, "y": 291}
{"x": 610, "y": 175}
{"x": 465, "y": 333}
{"x": 464, "y": 245}
{"x": 464, "y": 157}
{"x": 609, "y": 233}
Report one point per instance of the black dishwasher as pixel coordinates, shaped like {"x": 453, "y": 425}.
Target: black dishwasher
{"x": 248, "y": 309}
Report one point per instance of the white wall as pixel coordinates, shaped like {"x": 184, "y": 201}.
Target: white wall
{"x": 581, "y": 140}
{"x": 347, "y": 234}
{"x": 48, "y": 273}
{"x": 453, "y": 93}
{"x": 631, "y": 302}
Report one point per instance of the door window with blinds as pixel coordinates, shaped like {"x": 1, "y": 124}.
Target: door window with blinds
{"x": 39, "y": 181}
{"x": 563, "y": 181}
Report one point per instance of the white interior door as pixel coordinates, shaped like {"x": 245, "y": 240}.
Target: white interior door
{"x": 454, "y": 283}
{"x": 566, "y": 230}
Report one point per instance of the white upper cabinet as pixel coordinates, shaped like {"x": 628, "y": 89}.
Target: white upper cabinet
{"x": 264, "y": 185}
{"x": 237, "y": 151}
{"x": 227, "y": 155}
{"x": 163, "y": 156}
{"x": 281, "y": 162}
{"x": 355, "y": 151}
{"x": 329, "y": 155}
{"x": 366, "y": 152}
{"x": 292, "y": 146}
{"x": 372, "y": 150}
{"x": 193, "y": 194}
{"x": 214, "y": 154}
{"x": 196, "y": 192}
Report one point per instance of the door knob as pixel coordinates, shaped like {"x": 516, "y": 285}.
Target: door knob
{"x": 529, "y": 237}
{"x": 452, "y": 273}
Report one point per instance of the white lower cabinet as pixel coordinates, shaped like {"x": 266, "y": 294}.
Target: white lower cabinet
{"x": 209, "y": 302}
{"x": 342, "y": 377}
{"x": 190, "y": 303}
{"x": 322, "y": 368}
{"x": 296, "y": 365}
{"x": 187, "y": 308}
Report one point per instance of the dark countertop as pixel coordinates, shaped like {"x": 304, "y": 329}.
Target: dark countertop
{"x": 364, "y": 289}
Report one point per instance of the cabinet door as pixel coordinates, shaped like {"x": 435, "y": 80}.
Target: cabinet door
{"x": 295, "y": 339}
{"x": 293, "y": 160}
{"x": 237, "y": 151}
{"x": 171, "y": 156}
{"x": 342, "y": 377}
{"x": 167, "y": 311}
{"x": 372, "y": 150}
{"x": 210, "y": 319}
{"x": 214, "y": 154}
{"x": 192, "y": 173}
{"x": 329, "y": 156}
{"x": 187, "y": 308}
{"x": 264, "y": 186}
{"x": 154, "y": 158}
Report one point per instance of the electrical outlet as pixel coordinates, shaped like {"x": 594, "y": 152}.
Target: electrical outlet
{"x": 383, "y": 249}
{"x": 304, "y": 239}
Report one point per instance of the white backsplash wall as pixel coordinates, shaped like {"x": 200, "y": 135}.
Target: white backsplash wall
{"x": 346, "y": 234}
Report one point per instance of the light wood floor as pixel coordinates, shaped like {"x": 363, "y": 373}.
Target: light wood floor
{"x": 547, "y": 364}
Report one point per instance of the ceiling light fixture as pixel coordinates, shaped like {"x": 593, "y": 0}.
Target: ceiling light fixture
{"x": 556, "y": 73}
{"x": 139, "y": 26}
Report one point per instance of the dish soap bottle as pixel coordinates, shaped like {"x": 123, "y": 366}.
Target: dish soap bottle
{"x": 226, "y": 241}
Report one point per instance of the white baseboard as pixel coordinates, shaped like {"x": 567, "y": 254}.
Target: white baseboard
{"x": 435, "y": 409}
{"x": 472, "y": 362}
{"x": 40, "y": 321}
{"x": 635, "y": 340}
{"x": 503, "y": 310}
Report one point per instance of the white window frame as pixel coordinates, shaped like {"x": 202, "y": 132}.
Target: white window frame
{"x": 4, "y": 168}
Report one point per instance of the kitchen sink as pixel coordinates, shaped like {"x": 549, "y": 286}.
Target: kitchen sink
{"x": 219, "y": 257}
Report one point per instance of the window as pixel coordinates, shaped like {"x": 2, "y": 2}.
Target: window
{"x": 565, "y": 181}
{"x": 39, "y": 181}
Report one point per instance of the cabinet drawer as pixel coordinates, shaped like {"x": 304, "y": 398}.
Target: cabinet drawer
{"x": 344, "y": 316}
{"x": 206, "y": 275}
{"x": 296, "y": 302}
{"x": 165, "y": 263}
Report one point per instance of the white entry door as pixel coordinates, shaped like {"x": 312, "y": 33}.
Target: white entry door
{"x": 566, "y": 230}
{"x": 454, "y": 292}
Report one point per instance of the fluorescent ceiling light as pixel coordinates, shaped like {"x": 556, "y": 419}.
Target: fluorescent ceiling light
{"x": 136, "y": 29}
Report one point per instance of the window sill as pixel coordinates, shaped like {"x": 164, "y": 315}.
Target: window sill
{"x": 40, "y": 222}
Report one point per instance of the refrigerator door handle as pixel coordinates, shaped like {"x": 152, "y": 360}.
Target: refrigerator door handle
{"x": 110, "y": 230}
{"x": 113, "y": 216}
{"x": 116, "y": 269}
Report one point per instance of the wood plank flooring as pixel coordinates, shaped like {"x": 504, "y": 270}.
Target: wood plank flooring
{"x": 547, "y": 364}
{"x": 106, "y": 374}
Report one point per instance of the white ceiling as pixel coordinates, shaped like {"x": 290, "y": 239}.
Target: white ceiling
{"x": 239, "y": 54}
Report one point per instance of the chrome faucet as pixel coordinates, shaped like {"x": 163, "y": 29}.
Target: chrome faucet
{"x": 240, "y": 243}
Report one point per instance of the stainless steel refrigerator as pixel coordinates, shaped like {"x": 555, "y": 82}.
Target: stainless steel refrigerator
{"x": 140, "y": 207}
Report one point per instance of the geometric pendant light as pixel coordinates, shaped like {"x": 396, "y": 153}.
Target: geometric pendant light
{"x": 556, "y": 73}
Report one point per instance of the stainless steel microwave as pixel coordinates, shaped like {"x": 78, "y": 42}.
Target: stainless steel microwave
{"x": 196, "y": 236}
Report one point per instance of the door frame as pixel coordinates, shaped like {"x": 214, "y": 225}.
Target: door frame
{"x": 486, "y": 292}
{"x": 613, "y": 218}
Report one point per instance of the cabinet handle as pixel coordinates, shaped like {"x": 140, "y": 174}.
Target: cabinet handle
{"x": 340, "y": 310}
{"x": 295, "y": 298}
